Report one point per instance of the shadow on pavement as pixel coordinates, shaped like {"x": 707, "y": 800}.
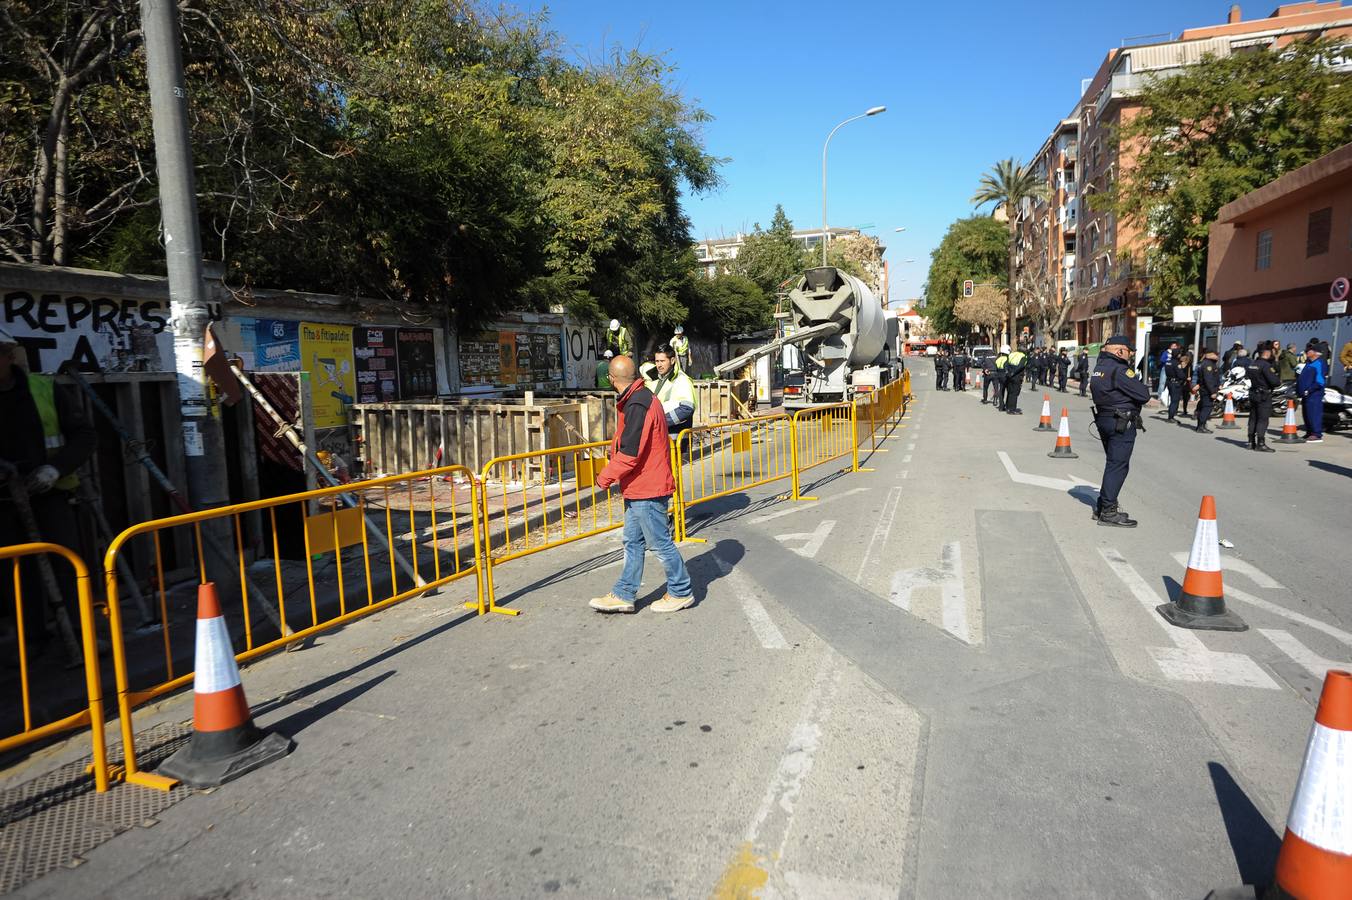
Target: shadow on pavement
{"x": 1252, "y": 839}
{"x": 306, "y": 716}
{"x": 1243, "y": 445}
{"x": 1330, "y": 467}
{"x": 1086, "y": 494}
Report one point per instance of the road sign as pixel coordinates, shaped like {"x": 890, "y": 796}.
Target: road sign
{"x": 968, "y": 288}
{"x": 1338, "y": 308}
{"x": 1208, "y": 313}
{"x": 1338, "y": 290}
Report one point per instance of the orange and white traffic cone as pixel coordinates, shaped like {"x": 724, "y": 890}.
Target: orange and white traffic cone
{"x": 1228, "y": 420}
{"x": 225, "y": 741}
{"x": 1289, "y": 433}
{"x": 1315, "y": 862}
{"x": 1062, "y": 449}
{"x": 1044, "y": 421}
{"x": 1201, "y": 603}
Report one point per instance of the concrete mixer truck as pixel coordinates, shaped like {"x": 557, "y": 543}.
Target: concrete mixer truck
{"x": 838, "y": 341}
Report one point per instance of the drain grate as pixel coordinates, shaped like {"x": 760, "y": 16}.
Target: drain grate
{"x": 56, "y": 818}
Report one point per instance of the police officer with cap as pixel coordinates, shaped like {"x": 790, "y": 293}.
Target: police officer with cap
{"x": 1118, "y": 398}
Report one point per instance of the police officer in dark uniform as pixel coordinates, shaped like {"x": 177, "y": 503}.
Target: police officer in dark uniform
{"x": 1207, "y": 386}
{"x": 1015, "y": 366}
{"x": 1118, "y": 398}
{"x": 1175, "y": 376}
{"x": 960, "y": 364}
{"x": 941, "y": 370}
{"x": 1001, "y": 364}
{"x": 1082, "y": 370}
{"x": 1062, "y": 370}
{"x": 987, "y": 377}
{"x": 1263, "y": 378}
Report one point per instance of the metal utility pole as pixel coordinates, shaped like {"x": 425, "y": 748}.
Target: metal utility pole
{"x": 203, "y": 440}
{"x": 873, "y": 111}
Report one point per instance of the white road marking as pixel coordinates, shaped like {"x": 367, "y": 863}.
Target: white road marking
{"x": 814, "y": 539}
{"x": 947, "y": 576}
{"x": 756, "y": 520}
{"x": 911, "y": 445}
{"x": 769, "y": 635}
{"x": 774, "y": 819}
{"x": 1189, "y": 659}
{"x": 903, "y": 473}
{"x": 1310, "y": 661}
{"x": 906, "y": 458}
{"x": 817, "y": 887}
{"x": 880, "y": 533}
{"x": 1236, "y": 594}
{"x": 1241, "y": 566}
{"x": 1056, "y": 484}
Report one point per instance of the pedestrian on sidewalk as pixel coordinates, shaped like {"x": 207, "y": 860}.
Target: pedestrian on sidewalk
{"x": 1310, "y": 385}
{"x": 640, "y": 463}
{"x": 1263, "y": 380}
{"x": 1207, "y": 387}
{"x": 1118, "y": 398}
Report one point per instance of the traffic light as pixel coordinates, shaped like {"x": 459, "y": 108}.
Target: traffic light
{"x": 968, "y": 288}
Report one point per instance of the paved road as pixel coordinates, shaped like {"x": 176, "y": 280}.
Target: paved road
{"x": 940, "y": 679}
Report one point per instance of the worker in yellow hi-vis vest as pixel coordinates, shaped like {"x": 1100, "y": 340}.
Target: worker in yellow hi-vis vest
{"x": 618, "y": 340}
{"x": 680, "y": 344}
{"x": 673, "y": 389}
{"x": 44, "y": 439}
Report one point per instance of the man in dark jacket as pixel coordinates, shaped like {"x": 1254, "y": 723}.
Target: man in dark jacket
{"x": 640, "y": 463}
{"x": 46, "y": 438}
{"x": 941, "y": 370}
{"x": 960, "y": 371}
{"x": 1015, "y": 367}
{"x": 1263, "y": 379}
{"x": 1082, "y": 370}
{"x": 1118, "y": 397}
{"x": 1174, "y": 377}
{"x": 1310, "y": 386}
{"x": 1062, "y": 369}
{"x": 988, "y": 378}
{"x": 1208, "y": 384}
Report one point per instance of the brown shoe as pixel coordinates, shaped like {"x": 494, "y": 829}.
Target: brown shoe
{"x": 611, "y": 604}
{"x": 670, "y": 604}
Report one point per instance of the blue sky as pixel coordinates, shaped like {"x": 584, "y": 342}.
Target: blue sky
{"x": 778, "y": 76}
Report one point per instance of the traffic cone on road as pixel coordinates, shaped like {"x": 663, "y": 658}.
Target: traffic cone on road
{"x": 1289, "y": 433}
{"x": 225, "y": 742}
{"x": 1062, "y": 449}
{"x": 1201, "y": 603}
{"x": 1044, "y": 421}
{"x": 1228, "y": 420}
{"x": 1315, "y": 862}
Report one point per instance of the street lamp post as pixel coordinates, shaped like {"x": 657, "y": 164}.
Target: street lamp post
{"x": 871, "y": 112}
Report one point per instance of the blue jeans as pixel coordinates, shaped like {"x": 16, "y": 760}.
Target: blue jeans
{"x": 646, "y": 527}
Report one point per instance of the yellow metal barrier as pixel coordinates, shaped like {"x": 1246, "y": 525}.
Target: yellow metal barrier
{"x": 822, "y": 434}
{"x": 554, "y": 488}
{"x": 878, "y": 411}
{"x": 713, "y": 461}
{"x": 439, "y": 508}
{"x": 92, "y": 714}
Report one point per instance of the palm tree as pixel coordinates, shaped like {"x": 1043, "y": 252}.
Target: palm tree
{"x": 1008, "y": 184}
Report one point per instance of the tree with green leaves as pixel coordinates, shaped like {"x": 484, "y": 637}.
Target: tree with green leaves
{"x": 1213, "y": 132}
{"x": 975, "y": 248}
{"x": 1007, "y": 185}
{"x": 771, "y": 257}
{"x": 729, "y": 304}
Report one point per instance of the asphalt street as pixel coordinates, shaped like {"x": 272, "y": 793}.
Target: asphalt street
{"x": 938, "y": 679}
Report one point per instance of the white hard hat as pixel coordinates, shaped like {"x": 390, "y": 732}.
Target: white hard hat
{"x": 614, "y": 324}
{"x": 609, "y": 354}
{"x": 1004, "y": 348}
{"x": 680, "y": 329}
{"x": 7, "y": 338}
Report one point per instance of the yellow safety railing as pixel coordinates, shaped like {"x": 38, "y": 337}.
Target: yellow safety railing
{"x": 426, "y": 523}
{"x": 547, "y": 498}
{"x": 713, "y": 461}
{"x": 92, "y": 714}
{"x": 878, "y": 411}
{"x": 822, "y": 434}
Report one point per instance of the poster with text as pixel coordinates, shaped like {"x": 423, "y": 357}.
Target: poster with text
{"x": 276, "y": 346}
{"x": 417, "y": 363}
{"x": 376, "y": 358}
{"x": 326, "y": 353}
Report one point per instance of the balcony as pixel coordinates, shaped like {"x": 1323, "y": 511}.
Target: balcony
{"x": 1072, "y": 152}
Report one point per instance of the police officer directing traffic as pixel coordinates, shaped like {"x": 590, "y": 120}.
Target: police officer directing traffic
{"x": 1118, "y": 398}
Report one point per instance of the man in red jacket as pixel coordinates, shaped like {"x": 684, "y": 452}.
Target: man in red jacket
{"x": 640, "y": 463}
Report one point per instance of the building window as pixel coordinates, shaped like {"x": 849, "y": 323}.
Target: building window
{"x": 1263, "y": 256}
{"x": 1317, "y": 236}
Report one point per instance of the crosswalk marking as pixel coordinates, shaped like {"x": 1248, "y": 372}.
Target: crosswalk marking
{"x": 1310, "y": 661}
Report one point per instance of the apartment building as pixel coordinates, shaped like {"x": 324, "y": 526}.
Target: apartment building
{"x": 1105, "y": 279}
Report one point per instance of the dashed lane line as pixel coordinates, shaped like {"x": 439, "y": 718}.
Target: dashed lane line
{"x": 1189, "y": 659}
{"x": 1235, "y": 593}
{"x": 1241, "y": 566}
